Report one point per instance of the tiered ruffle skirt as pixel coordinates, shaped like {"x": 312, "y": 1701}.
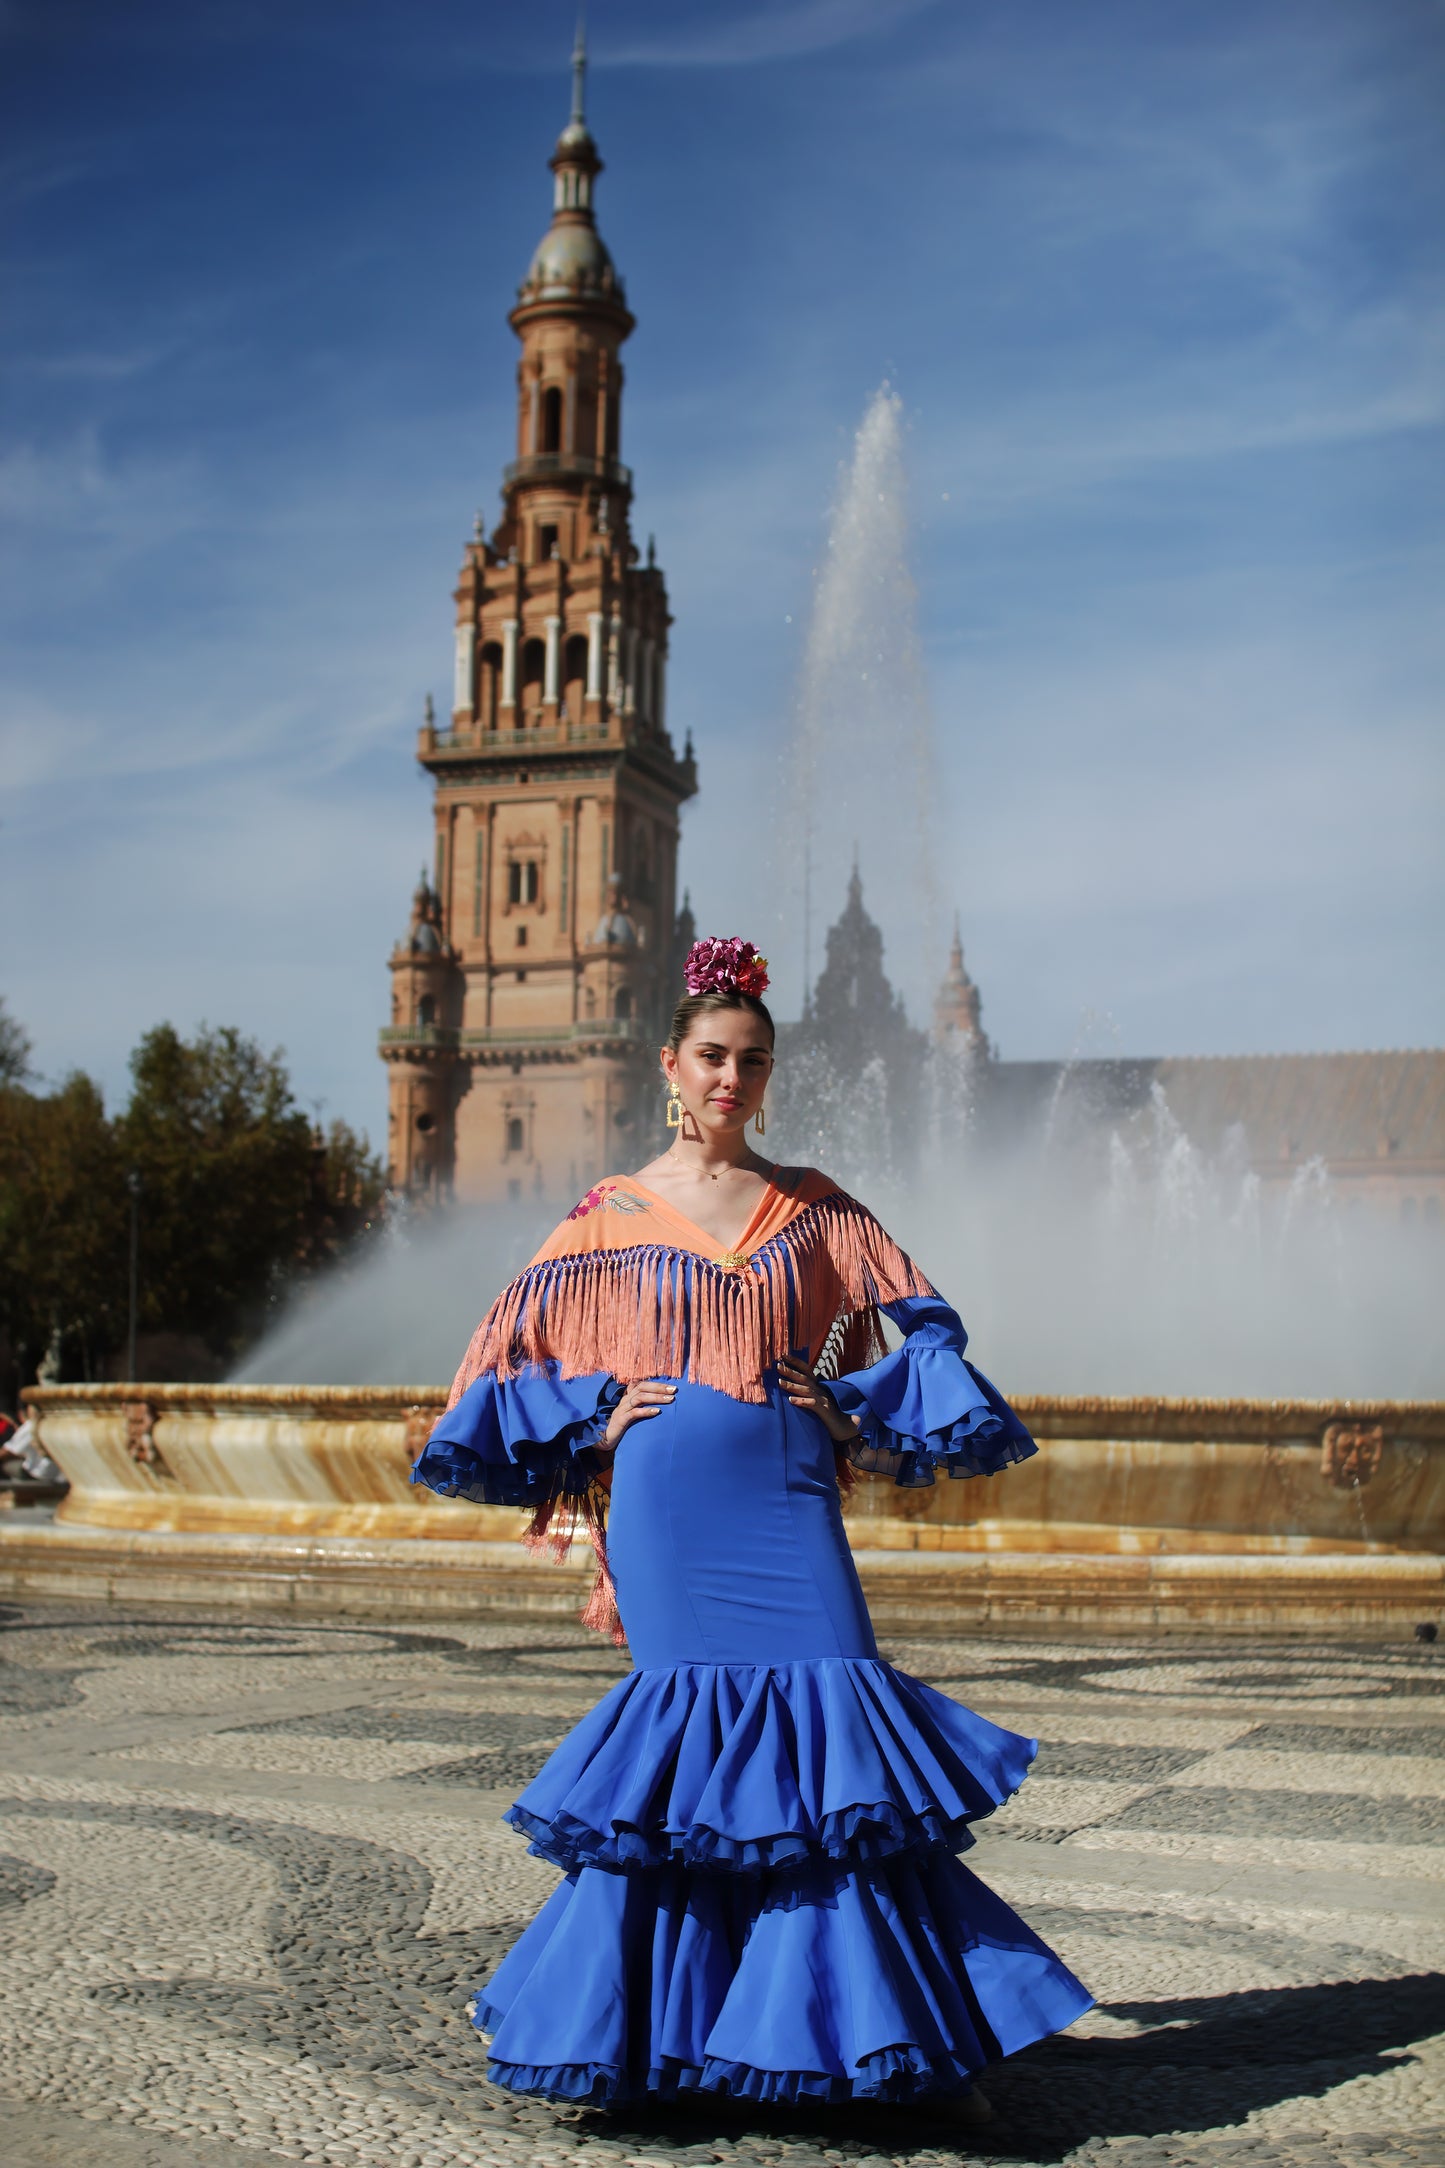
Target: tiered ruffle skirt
{"x": 762, "y": 1897}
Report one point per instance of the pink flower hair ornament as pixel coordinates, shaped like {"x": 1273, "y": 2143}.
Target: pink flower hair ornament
{"x": 731, "y": 965}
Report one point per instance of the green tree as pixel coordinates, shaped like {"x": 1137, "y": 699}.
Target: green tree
{"x": 239, "y": 1195}
{"x": 62, "y": 1231}
{"x": 14, "y": 1048}
{"x": 224, "y": 1156}
{"x": 348, "y": 1193}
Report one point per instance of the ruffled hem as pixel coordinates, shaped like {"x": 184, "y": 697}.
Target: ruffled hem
{"x": 520, "y": 1441}
{"x": 878, "y": 1831}
{"x": 895, "y": 2075}
{"x": 888, "y": 1982}
{"x": 922, "y": 1409}
{"x": 748, "y": 1768}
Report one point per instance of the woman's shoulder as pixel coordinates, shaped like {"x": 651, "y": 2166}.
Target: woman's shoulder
{"x": 612, "y": 1193}
{"x": 809, "y": 1185}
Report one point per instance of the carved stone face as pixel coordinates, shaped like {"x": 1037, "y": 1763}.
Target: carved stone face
{"x": 1350, "y": 1454}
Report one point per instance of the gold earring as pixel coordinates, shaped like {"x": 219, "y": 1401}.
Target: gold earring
{"x": 674, "y": 1105}
{"x": 758, "y": 1123}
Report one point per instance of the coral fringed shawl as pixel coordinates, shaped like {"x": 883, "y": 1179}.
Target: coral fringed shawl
{"x": 630, "y": 1286}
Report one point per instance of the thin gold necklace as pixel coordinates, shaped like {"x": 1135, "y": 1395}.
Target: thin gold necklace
{"x": 675, "y": 1154}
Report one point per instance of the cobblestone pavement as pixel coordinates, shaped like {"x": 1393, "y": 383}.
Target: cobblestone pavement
{"x": 250, "y": 1870}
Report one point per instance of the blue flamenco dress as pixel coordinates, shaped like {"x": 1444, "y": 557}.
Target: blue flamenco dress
{"x": 758, "y": 1827}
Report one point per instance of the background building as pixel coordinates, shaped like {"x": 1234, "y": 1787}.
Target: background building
{"x": 1374, "y": 1123}
{"x": 530, "y": 988}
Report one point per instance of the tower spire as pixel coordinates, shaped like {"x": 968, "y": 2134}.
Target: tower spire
{"x": 557, "y": 784}
{"x": 579, "y": 72}
{"x": 958, "y": 1008}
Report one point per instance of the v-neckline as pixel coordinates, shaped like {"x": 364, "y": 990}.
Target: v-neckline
{"x": 724, "y": 1249}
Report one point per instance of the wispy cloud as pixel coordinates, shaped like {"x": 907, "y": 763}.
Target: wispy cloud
{"x": 1160, "y": 291}
{"x": 1383, "y": 376}
{"x": 75, "y": 486}
{"x": 724, "y": 38}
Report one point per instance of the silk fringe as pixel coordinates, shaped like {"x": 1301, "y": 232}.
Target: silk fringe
{"x": 653, "y": 1310}
{"x": 555, "y": 1526}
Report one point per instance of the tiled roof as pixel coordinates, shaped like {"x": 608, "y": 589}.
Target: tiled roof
{"x": 1388, "y": 1107}
{"x": 1341, "y": 1106}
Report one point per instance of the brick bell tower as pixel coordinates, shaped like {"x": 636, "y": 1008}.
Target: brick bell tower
{"x": 524, "y": 1029}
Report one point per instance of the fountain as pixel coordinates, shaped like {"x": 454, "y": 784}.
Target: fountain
{"x": 1094, "y": 1252}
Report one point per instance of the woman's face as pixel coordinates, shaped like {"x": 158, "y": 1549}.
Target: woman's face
{"x": 722, "y": 1069}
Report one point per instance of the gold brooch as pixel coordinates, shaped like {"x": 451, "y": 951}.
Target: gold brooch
{"x": 731, "y": 1260}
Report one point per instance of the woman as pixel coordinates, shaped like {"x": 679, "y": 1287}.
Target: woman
{"x": 758, "y": 1826}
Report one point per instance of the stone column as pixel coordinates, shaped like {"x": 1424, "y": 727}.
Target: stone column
{"x": 552, "y": 668}
{"x": 614, "y": 662}
{"x": 510, "y": 629}
{"x": 464, "y": 681}
{"x": 594, "y": 655}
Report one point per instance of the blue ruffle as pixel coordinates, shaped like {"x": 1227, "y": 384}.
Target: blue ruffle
{"x": 751, "y": 1767}
{"x": 894, "y": 2074}
{"x": 923, "y": 1407}
{"x": 890, "y": 1981}
{"x": 517, "y": 1441}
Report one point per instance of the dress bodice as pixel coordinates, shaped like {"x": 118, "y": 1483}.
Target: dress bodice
{"x": 628, "y": 1285}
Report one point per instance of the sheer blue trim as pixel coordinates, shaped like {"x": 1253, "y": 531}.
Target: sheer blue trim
{"x": 886, "y": 1980}
{"x": 878, "y": 1830}
{"x": 746, "y": 1768}
{"x": 923, "y": 1407}
{"x": 893, "y": 2074}
{"x": 518, "y": 1441}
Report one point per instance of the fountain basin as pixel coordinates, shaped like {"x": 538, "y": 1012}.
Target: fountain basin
{"x": 1113, "y": 1475}
{"x": 1219, "y": 1512}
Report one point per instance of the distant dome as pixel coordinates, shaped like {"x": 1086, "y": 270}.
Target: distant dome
{"x": 426, "y": 941}
{"x": 571, "y": 259}
{"x": 617, "y": 929}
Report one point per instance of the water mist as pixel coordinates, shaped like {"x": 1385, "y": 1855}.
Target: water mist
{"x": 1088, "y": 1251}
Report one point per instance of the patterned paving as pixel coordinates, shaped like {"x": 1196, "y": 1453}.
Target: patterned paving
{"x": 249, "y": 1872}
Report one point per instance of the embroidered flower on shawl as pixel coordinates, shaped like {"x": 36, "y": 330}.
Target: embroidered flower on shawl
{"x": 589, "y": 1203}
{"x": 713, "y": 965}
{"x": 606, "y": 1197}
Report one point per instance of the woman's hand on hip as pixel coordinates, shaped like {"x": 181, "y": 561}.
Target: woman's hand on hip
{"x": 639, "y": 1402}
{"x": 805, "y": 1390}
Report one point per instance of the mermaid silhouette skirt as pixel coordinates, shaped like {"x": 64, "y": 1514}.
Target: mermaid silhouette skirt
{"x": 758, "y": 1827}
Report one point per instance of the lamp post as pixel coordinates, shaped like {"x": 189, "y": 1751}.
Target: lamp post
{"x": 133, "y": 1184}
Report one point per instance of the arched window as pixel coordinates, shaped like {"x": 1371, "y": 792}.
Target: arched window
{"x": 489, "y": 691}
{"x": 426, "y": 1009}
{"x": 516, "y": 1133}
{"x": 551, "y": 420}
{"x": 534, "y": 664}
{"x": 622, "y": 1002}
{"x": 609, "y": 426}
{"x": 574, "y": 676}
{"x": 522, "y": 881}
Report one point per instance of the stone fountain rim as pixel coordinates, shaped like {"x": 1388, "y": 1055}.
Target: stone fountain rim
{"x": 1278, "y": 1417}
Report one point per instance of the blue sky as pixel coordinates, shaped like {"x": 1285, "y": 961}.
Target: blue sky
{"x": 1160, "y": 289}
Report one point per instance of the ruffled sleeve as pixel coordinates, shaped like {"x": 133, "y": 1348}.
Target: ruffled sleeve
{"x": 520, "y": 1441}
{"x": 923, "y": 1407}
